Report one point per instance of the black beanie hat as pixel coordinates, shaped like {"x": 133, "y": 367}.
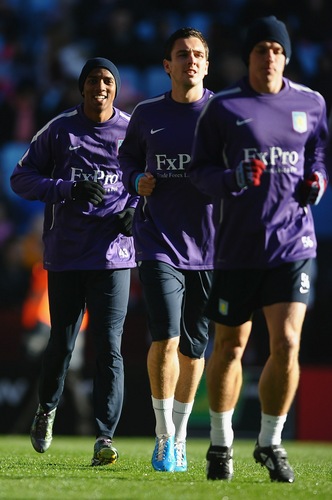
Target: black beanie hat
{"x": 267, "y": 28}
{"x": 99, "y": 62}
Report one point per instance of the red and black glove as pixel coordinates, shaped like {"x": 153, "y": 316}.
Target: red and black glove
{"x": 248, "y": 173}
{"x": 312, "y": 189}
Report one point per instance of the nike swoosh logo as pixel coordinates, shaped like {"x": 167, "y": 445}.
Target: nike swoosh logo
{"x": 242, "y": 122}
{"x": 154, "y": 131}
{"x": 71, "y": 148}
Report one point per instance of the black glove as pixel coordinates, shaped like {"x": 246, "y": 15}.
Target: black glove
{"x": 248, "y": 173}
{"x": 88, "y": 191}
{"x": 312, "y": 189}
{"x": 125, "y": 219}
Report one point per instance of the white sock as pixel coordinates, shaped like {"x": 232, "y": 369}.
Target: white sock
{"x": 163, "y": 409}
{"x": 181, "y": 414}
{"x": 271, "y": 429}
{"x": 221, "y": 433}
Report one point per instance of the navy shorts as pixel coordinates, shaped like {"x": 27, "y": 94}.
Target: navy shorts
{"x": 175, "y": 301}
{"x": 236, "y": 294}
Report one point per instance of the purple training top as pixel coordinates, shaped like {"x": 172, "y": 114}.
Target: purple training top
{"x": 173, "y": 225}
{"x": 264, "y": 226}
{"x": 71, "y": 148}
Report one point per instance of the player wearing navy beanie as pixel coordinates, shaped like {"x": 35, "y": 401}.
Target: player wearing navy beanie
{"x": 259, "y": 153}
{"x": 72, "y": 166}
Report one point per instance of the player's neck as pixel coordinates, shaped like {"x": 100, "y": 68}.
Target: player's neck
{"x": 262, "y": 86}
{"x": 187, "y": 95}
{"x": 99, "y": 116}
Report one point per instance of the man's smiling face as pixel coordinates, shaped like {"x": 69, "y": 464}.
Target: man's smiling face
{"x": 99, "y": 93}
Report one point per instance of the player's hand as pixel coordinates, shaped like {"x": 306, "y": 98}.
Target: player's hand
{"x": 249, "y": 172}
{"x": 88, "y": 191}
{"x": 146, "y": 184}
{"x": 312, "y": 189}
{"x": 125, "y": 219}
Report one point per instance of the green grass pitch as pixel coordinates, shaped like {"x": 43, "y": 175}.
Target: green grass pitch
{"x": 64, "y": 472}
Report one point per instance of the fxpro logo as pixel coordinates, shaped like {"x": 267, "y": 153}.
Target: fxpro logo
{"x": 77, "y": 174}
{"x": 178, "y": 163}
{"x": 273, "y": 156}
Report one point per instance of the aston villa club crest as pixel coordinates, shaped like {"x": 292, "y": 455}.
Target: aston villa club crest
{"x": 300, "y": 123}
{"x": 223, "y": 307}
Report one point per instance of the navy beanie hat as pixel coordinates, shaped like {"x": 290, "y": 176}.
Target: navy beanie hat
{"x": 267, "y": 28}
{"x": 99, "y": 62}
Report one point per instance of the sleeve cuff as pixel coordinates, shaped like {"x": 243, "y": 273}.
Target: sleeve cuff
{"x": 137, "y": 181}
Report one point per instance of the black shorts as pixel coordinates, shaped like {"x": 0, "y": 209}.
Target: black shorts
{"x": 175, "y": 301}
{"x": 236, "y": 294}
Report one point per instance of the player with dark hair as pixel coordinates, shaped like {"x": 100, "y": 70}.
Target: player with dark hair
{"x": 259, "y": 151}
{"x": 72, "y": 166}
{"x": 173, "y": 234}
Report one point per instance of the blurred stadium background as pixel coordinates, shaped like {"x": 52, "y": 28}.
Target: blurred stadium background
{"x": 43, "y": 45}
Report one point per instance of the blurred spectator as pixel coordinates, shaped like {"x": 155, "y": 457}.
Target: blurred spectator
{"x": 14, "y": 275}
{"x": 9, "y": 33}
{"x": 18, "y": 114}
{"x": 116, "y": 38}
{"x": 6, "y": 223}
{"x": 322, "y": 79}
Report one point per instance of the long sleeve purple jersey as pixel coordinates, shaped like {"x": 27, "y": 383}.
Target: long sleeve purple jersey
{"x": 70, "y": 148}
{"x": 264, "y": 226}
{"x": 173, "y": 225}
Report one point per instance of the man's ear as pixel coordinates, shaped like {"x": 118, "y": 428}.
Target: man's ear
{"x": 166, "y": 66}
